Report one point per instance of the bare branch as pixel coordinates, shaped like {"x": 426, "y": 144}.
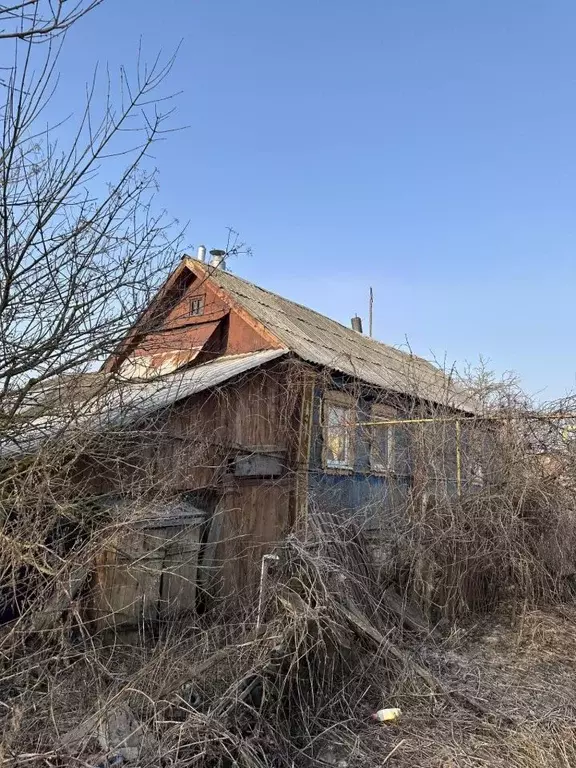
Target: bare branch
{"x": 41, "y": 20}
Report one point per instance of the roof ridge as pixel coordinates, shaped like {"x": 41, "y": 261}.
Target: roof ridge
{"x": 369, "y": 339}
{"x": 319, "y": 339}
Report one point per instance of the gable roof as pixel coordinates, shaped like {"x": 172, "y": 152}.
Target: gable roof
{"x": 318, "y": 339}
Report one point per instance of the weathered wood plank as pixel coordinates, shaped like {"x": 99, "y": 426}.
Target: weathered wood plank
{"x": 255, "y": 517}
{"x": 180, "y": 569}
{"x": 130, "y": 579}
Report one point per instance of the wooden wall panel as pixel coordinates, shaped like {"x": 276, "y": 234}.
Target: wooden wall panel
{"x": 128, "y": 579}
{"x": 147, "y": 574}
{"x": 189, "y": 444}
{"x": 253, "y": 519}
{"x": 176, "y": 337}
{"x": 179, "y": 571}
{"x": 189, "y": 447}
{"x": 242, "y": 337}
{"x": 258, "y": 412}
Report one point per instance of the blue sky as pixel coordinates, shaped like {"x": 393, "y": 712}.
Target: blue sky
{"x": 425, "y": 148}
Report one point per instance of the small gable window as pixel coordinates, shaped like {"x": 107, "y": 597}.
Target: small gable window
{"x": 197, "y": 306}
{"x": 339, "y": 424}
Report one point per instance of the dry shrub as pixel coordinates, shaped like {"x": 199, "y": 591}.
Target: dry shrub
{"x": 215, "y": 690}
{"x": 504, "y": 531}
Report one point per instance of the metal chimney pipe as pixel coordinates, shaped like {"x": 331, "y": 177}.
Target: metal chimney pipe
{"x": 357, "y": 324}
{"x": 201, "y": 255}
{"x": 218, "y": 259}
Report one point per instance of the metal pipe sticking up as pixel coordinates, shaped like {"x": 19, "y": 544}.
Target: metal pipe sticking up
{"x": 218, "y": 259}
{"x": 201, "y": 255}
{"x": 357, "y": 324}
{"x": 370, "y": 312}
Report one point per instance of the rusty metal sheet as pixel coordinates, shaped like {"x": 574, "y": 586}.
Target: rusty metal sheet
{"x": 133, "y": 400}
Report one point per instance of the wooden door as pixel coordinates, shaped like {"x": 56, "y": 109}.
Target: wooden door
{"x": 179, "y": 569}
{"x": 150, "y": 573}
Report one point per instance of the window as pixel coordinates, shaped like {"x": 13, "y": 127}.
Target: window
{"x": 382, "y": 443}
{"x": 390, "y": 449}
{"x": 475, "y": 452}
{"x": 476, "y": 476}
{"x": 196, "y": 305}
{"x": 339, "y": 430}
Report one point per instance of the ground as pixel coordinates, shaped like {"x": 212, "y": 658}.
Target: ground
{"x": 521, "y": 667}
{"x": 518, "y": 668}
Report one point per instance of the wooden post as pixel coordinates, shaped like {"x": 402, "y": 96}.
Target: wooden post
{"x": 303, "y": 456}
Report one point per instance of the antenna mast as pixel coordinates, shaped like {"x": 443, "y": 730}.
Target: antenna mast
{"x": 370, "y": 312}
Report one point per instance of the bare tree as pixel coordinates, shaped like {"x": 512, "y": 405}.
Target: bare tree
{"x": 80, "y": 246}
{"x": 81, "y": 251}
{"x": 41, "y": 19}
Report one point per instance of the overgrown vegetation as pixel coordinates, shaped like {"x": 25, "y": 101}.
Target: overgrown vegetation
{"x": 457, "y": 607}
{"x": 460, "y": 612}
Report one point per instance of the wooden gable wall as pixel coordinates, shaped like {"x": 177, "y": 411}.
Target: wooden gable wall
{"x": 171, "y": 335}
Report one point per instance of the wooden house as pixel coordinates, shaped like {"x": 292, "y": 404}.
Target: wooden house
{"x": 246, "y": 413}
{"x": 263, "y": 413}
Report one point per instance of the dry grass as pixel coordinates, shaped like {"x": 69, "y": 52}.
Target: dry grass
{"x": 301, "y": 691}
{"x": 493, "y": 685}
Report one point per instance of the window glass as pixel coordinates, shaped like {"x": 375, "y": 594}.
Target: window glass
{"x": 390, "y": 445}
{"x": 338, "y": 433}
{"x": 197, "y": 305}
{"x": 382, "y": 448}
